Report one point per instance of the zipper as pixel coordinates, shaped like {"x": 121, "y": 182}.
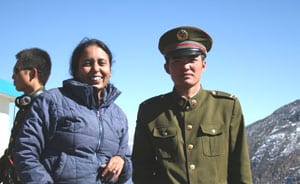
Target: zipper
{"x": 100, "y": 132}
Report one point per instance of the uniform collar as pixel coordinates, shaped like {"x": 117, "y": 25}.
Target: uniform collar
{"x": 185, "y": 104}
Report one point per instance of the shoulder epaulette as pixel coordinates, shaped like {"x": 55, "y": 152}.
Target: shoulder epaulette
{"x": 155, "y": 99}
{"x": 222, "y": 94}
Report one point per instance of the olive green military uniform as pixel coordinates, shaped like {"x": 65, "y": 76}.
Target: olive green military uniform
{"x": 195, "y": 140}
{"x": 198, "y": 141}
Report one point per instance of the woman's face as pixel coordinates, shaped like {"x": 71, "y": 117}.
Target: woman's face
{"x": 94, "y": 67}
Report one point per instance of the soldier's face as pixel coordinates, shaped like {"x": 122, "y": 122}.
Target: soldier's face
{"x": 186, "y": 71}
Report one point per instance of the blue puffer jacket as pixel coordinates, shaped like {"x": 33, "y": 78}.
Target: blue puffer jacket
{"x": 67, "y": 136}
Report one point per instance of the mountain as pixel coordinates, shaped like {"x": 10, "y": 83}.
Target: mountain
{"x": 274, "y": 146}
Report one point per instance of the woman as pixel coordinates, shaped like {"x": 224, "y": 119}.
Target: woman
{"x": 76, "y": 133}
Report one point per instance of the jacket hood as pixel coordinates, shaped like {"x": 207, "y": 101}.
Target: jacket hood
{"x": 87, "y": 95}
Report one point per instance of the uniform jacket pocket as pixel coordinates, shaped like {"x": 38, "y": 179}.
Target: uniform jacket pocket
{"x": 212, "y": 137}
{"x": 165, "y": 140}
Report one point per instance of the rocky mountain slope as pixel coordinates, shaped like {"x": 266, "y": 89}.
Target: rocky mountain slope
{"x": 274, "y": 146}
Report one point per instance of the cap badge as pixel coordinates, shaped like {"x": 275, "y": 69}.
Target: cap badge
{"x": 182, "y": 34}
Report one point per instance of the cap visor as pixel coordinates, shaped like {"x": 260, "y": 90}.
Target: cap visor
{"x": 184, "y": 52}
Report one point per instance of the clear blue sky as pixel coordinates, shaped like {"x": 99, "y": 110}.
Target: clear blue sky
{"x": 255, "y": 56}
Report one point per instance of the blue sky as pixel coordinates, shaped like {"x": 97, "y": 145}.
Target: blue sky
{"x": 255, "y": 55}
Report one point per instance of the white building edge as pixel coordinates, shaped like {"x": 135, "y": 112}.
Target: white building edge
{"x": 8, "y": 109}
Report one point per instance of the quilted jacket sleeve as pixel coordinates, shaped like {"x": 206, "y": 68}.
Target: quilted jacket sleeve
{"x": 30, "y": 142}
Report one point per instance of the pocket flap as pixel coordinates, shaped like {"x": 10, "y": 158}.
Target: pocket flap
{"x": 212, "y": 128}
{"x": 164, "y": 132}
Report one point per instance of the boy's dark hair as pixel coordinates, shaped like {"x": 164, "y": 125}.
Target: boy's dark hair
{"x": 36, "y": 58}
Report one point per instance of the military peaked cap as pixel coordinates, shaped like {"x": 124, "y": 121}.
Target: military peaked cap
{"x": 185, "y": 40}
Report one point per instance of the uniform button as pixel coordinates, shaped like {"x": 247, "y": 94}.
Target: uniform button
{"x": 190, "y": 146}
{"x": 193, "y": 102}
{"x": 181, "y": 103}
{"x": 189, "y": 127}
{"x": 192, "y": 166}
{"x": 165, "y": 133}
{"x": 213, "y": 131}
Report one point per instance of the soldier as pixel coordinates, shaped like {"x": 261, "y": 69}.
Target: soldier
{"x": 30, "y": 75}
{"x": 190, "y": 135}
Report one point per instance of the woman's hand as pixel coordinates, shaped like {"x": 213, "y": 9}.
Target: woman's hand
{"x": 112, "y": 170}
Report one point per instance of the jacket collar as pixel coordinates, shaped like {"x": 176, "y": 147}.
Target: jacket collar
{"x": 87, "y": 95}
{"x": 185, "y": 104}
